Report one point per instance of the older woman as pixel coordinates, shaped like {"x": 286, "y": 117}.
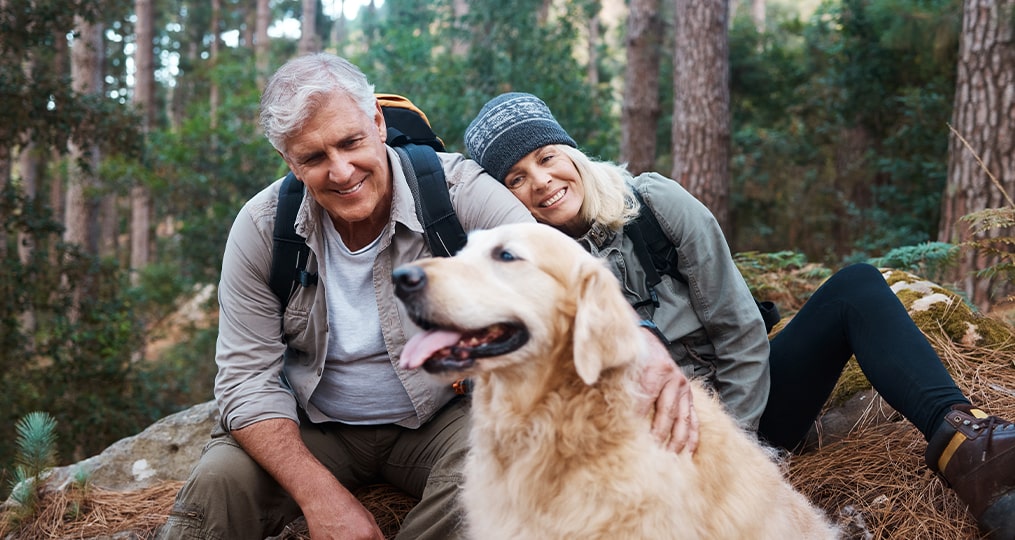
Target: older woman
{"x": 712, "y": 328}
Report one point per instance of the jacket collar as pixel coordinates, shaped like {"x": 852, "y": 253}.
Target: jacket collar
{"x": 598, "y": 235}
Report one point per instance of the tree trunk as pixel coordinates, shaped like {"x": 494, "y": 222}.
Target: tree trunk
{"x": 701, "y": 103}
{"x": 59, "y": 181}
{"x": 213, "y": 58}
{"x": 592, "y": 70}
{"x": 338, "y": 28}
{"x": 28, "y": 170}
{"x": 86, "y": 78}
{"x": 758, "y": 14}
{"x": 641, "y": 87}
{"x": 261, "y": 44}
{"x": 983, "y": 115}
{"x": 459, "y": 45}
{"x": 309, "y": 42}
{"x": 144, "y": 100}
{"x": 249, "y": 10}
{"x": 543, "y": 13}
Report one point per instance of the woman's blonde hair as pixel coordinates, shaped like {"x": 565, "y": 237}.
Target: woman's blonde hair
{"x": 608, "y": 196}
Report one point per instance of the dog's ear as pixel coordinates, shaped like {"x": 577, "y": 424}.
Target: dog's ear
{"x": 605, "y": 333}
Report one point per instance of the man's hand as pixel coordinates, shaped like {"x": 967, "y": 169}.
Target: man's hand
{"x": 339, "y": 517}
{"x": 332, "y": 512}
{"x": 667, "y": 398}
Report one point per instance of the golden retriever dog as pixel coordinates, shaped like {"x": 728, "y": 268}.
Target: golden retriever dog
{"x": 558, "y": 450}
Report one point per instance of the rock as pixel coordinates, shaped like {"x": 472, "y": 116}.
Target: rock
{"x": 865, "y": 408}
{"x": 936, "y": 309}
{"x": 165, "y": 451}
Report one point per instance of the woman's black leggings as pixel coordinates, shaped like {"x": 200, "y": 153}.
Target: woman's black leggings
{"x": 853, "y": 313}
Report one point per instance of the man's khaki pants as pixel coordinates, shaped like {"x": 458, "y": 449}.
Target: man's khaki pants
{"x": 228, "y": 495}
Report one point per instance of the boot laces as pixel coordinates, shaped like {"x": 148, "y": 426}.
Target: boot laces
{"x": 991, "y": 424}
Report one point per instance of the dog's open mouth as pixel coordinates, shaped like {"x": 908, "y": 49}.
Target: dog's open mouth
{"x": 441, "y": 349}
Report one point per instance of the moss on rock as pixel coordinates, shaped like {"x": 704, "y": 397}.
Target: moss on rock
{"x": 936, "y": 309}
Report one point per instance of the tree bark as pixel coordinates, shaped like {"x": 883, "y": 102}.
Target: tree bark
{"x": 338, "y": 28}
{"x": 28, "y": 170}
{"x": 543, "y": 13}
{"x": 640, "y": 110}
{"x": 86, "y": 78}
{"x": 701, "y": 103}
{"x": 983, "y": 115}
{"x": 144, "y": 101}
{"x": 309, "y": 41}
{"x": 758, "y": 14}
{"x": 459, "y": 45}
{"x": 261, "y": 44}
{"x": 213, "y": 58}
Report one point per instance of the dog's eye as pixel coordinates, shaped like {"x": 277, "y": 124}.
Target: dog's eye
{"x": 504, "y": 255}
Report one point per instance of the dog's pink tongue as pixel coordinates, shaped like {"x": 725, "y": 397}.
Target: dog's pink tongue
{"x": 424, "y": 345}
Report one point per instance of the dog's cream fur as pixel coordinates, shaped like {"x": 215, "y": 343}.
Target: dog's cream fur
{"x": 558, "y": 451}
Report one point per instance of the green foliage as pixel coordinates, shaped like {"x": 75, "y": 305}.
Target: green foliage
{"x": 73, "y": 360}
{"x": 931, "y": 260}
{"x": 992, "y": 240}
{"x": 202, "y": 174}
{"x": 183, "y": 375}
{"x": 840, "y": 142}
{"x": 754, "y": 262}
{"x": 36, "y": 99}
{"x": 783, "y": 277}
{"x": 36, "y": 453}
{"x": 412, "y": 54}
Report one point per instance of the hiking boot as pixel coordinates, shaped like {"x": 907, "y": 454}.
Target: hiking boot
{"x": 975, "y": 455}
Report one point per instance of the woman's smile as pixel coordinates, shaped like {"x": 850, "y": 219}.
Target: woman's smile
{"x": 554, "y": 198}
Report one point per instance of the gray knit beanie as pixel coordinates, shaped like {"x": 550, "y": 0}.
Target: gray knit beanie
{"x": 509, "y": 127}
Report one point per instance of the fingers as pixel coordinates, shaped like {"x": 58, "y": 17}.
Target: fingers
{"x": 668, "y": 400}
{"x": 676, "y": 420}
{"x": 685, "y": 436}
{"x": 667, "y": 413}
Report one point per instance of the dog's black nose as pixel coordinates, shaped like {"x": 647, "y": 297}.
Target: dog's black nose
{"x": 408, "y": 279}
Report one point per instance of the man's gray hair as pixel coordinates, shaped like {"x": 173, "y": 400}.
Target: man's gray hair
{"x": 301, "y": 86}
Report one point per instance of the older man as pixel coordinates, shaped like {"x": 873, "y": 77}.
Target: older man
{"x": 313, "y": 403}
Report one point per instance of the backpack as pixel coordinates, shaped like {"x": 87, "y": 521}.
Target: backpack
{"x": 416, "y": 144}
{"x": 659, "y": 256}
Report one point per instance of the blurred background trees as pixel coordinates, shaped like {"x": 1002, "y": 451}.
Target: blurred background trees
{"x": 128, "y": 141}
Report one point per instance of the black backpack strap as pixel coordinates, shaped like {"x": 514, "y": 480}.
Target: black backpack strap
{"x": 658, "y": 256}
{"x": 655, "y": 252}
{"x": 289, "y": 250}
{"x": 633, "y": 231}
{"x": 425, "y": 175}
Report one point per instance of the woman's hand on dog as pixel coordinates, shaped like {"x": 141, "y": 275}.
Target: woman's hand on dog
{"x": 667, "y": 399}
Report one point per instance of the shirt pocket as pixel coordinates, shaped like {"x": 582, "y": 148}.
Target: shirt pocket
{"x": 297, "y": 335}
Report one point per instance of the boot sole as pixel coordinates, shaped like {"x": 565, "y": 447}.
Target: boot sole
{"x": 998, "y": 521}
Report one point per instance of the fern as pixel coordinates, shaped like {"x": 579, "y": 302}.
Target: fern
{"x": 754, "y": 261}
{"x": 997, "y": 249}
